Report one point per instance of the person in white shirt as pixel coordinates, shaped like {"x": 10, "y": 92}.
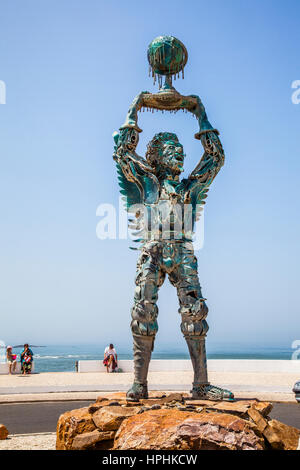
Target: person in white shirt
{"x": 110, "y": 358}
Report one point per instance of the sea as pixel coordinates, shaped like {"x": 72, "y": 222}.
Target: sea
{"x": 62, "y": 358}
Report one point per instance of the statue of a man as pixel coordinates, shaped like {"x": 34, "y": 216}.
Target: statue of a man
{"x": 157, "y": 198}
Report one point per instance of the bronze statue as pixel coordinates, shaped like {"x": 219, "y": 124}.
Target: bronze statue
{"x": 164, "y": 211}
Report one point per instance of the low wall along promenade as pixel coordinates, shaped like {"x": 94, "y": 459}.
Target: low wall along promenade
{"x": 214, "y": 365}
{"x": 4, "y": 368}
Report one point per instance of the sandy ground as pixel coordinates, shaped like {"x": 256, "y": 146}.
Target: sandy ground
{"x": 43, "y": 441}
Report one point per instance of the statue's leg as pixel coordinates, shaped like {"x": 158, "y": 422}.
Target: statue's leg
{"x": 194, "y": 327}
{"x": 144, "y": 318}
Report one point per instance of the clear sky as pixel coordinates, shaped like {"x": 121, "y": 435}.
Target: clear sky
{"x": 71, "y": 69}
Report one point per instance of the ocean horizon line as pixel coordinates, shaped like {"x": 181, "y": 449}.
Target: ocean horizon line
{"x": 63, "y": 358}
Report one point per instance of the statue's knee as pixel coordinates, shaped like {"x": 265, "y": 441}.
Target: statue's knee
{"x": 190, "y": 327}
{"x": 144, "y": 328}
{"x": 197, "y": 309}
{"x": 144, "y": 315}
{"x": 193, "y": 318}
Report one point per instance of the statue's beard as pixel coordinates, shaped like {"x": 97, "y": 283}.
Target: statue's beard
{"x": 176, "y": 170}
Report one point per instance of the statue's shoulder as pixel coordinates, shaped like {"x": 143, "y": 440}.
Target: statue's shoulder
{"x": 186, "y": 184}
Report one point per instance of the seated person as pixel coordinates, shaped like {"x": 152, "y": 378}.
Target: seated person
{"x": 110, "y": 358}
{"x": 11, "y": 359}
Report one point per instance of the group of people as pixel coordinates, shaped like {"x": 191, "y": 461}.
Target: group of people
{"x": 26, "y": 359}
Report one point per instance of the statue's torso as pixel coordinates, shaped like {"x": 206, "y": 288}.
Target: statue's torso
{"x": 170, "y": 217}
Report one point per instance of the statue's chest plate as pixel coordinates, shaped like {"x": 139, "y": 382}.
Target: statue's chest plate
{"x": 169, "y": 218}
{"x": 168, "y": 210}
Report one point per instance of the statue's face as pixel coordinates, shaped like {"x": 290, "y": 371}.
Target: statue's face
{"x": 173, "y": 156}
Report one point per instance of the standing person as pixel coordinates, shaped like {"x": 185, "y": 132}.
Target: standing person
{"x": 11, "y": 359}
{"x": 110, "y": 358}
{"x": 26, "y": 360}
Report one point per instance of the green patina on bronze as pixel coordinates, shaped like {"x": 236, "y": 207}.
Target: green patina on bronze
{"x": 164, "y": 210}
{"x": 167, "y": 56}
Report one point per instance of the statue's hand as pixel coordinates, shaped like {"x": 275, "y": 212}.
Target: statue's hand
{"x": 137, "y": 103}
{"x": 139, "y": 97}
{"x": 199, "y": 109}
{"x": 200, "y": 113}
{"x": 132, "y": 116}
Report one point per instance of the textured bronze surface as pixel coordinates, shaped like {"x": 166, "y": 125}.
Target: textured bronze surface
{"x": 164, "y": 210}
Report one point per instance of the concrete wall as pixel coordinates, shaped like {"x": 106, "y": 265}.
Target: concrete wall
{"x": 4, "y": 368}
{"x": 214, "y": 365}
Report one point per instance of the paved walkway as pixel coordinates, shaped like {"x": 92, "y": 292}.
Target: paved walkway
{"x": 268, "y": 386}
{"x": 122, "y": 388}
{"x": 93, "y": 381}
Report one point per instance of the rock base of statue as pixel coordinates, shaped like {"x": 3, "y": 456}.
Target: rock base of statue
{"x": 173, "y": 422}
{"x": 3, "y": 432}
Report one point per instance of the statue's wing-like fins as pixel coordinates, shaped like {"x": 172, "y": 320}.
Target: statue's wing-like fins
{"x": 202, "y": 195}
{"x": 198, "y": 194}
{"x": 143, "y": 189}
{"x": 130, "y": 191}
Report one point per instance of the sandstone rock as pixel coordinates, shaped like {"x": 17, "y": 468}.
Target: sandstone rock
{"x": 93, "y": 440}
{"x": 71, "y": 424}
{"x": 105, "y": 402}
{"x": 112, "y": 396}
{"x": 154, "y": 398}
{"x": 156, "y": 406}
{"x": 201, "y": 402}
{"x": 132, "y": 404}
{"x": 236, "y": 407}
{"x": 95, "y": 407}
{"x": 239, "y": 407}
{"x": 109, "y": 418}
{"x": 3, "y": 432}
{"x": 281, "y": 436}
{"x": 172, "y": 422}
{"x": 259, "y": 420}
{"x": 264, "y": 407}
{"x": 173, "y": 397}
{"x": 152, "y": 395}
{"x": 174, "y": 430}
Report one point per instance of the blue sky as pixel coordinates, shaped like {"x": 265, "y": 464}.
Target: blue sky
{"x": 71, "y": 69}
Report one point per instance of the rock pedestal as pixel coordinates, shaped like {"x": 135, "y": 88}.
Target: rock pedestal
{"x": 3, "y": 432}
{"x": 173, "y": 422}
{"x": 184, "y": 430}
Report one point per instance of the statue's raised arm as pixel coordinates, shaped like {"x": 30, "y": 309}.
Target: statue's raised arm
{"x": 213, "y": 158}
{"x": 127, "y": 138}
{"x": 136, "y": 179}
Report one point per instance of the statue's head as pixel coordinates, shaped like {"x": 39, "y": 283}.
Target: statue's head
{"x": 165, "y": 151}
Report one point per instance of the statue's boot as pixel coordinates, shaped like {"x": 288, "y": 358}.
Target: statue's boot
{"x": 202, "y": 389}
{"x": 142, "y": 349}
